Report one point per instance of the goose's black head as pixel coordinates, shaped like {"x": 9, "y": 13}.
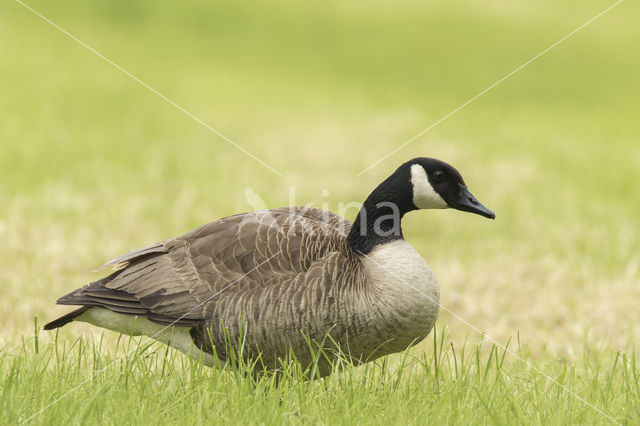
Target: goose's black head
{"x": 422, "y": 183}
{"x": 437, "y": 185}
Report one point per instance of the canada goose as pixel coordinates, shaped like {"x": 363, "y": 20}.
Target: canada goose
{"x": 273, "y": 281}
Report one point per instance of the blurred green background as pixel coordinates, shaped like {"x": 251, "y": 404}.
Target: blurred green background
{"x": 92, "y": 164}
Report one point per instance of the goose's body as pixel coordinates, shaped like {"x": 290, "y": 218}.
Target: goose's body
{"x": 275, "y": 282}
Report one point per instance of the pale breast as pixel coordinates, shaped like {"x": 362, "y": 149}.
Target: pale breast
{"x": 407, "y": 293}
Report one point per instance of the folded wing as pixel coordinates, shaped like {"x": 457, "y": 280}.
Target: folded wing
{"x": 171, "y": 282}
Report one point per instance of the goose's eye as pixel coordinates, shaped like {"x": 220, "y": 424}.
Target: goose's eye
{"x": 438, "y": 176}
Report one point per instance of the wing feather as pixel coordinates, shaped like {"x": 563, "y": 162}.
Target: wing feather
{"x": 178, "y": 281}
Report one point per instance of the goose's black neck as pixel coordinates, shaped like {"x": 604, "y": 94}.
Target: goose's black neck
{"x": 379, "y": 219}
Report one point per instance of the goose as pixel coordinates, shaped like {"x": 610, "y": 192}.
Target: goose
{"x": 268, "y": 284}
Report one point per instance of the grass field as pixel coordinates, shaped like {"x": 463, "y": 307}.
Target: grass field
{"x": 93, "y": 164}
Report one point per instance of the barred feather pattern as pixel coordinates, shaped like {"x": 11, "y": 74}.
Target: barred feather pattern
{"x": 274, "y": 282}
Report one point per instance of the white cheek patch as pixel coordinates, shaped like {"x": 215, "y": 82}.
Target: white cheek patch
{"x": 424, "y": 196}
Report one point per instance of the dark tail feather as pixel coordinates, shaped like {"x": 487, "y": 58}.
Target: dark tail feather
{"x": 70, "y": 299}
{"x": 65, "y": 319}
{"x": 75, "y": 297}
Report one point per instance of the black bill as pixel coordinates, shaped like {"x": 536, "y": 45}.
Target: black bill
{"x": 468, "y": 203}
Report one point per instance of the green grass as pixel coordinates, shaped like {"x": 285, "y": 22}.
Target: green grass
{"x": 146, "y": 384}
{"x": 92, "y": 165}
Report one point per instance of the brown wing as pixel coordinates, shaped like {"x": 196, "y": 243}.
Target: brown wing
{"x": 170, "y": 282}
